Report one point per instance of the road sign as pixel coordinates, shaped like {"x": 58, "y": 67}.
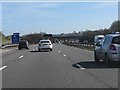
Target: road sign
{"x": 15, "y": 38}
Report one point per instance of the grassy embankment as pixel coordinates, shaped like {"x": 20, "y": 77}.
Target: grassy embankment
{"x": 4, "y": 39}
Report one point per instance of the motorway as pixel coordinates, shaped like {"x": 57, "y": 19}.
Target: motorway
{"x": 64, "y": 67}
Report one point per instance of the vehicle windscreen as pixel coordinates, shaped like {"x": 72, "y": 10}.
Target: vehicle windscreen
{"x": 45, "y": 42}
{"x": 100, "y": 38}
{"x": 116, "y": 40}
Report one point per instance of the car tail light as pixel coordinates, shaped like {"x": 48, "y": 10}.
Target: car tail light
{"x": 112, "y": 47}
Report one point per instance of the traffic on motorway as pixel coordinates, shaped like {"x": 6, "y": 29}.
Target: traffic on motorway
{"x": 107, "y": 48}
{"x": 60, "y": 44}
{"x": 50, "y": 64}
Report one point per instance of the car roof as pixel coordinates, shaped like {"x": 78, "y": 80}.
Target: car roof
{"x": 113, "y": 35}
{"x": 99, "y": 35}
{"x": 44, "y": 40}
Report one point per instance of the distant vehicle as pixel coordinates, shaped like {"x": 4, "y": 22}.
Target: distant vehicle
{"x": 98, "y": 38}
{"x": 23, "y": 44}
{"x": 45, "y": 45}
{"x": 108, "y": 49}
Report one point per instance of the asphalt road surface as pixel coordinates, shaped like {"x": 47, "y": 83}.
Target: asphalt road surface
{"x": 64, "y": 67}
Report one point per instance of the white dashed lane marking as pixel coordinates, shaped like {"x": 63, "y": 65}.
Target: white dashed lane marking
{"x": 58, "y": 51}
{"x": 64, "y": 55}
{"x": 3, "y": 68}
{"x": 21, "y": 56}
{"x": 82, "y": 68}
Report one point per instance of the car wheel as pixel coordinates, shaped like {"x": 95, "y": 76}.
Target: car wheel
{"x": 108, "y": 62}
{"x": 39, "y": 50}
{"x": 95, "y": 57}
{"x": 50, "y": 49}
{"x": 19, "y": 48}
{"x": 27, "y": 48}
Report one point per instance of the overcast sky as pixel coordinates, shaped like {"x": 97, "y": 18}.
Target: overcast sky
{"x": 57, "y": 17}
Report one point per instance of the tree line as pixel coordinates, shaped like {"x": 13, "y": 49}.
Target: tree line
{"x": 33, "y": 38}
{"x": 87, "y": 35}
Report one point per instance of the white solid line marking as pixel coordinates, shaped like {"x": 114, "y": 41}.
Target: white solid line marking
{"x": 64, "y": 55}
{"x": 21, "y": 56}
{"x": 3, "y": 68}
{"x": 59, "y": 51}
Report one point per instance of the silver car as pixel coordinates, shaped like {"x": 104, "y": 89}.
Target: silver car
{"x": 45, "y": 45}
{"x": 108, "y": 49}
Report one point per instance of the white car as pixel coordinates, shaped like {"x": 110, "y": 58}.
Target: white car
{"x": 45, "y": 45}
{"x": 108, "y": 49}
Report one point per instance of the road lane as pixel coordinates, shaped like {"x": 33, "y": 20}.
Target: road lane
{"x": 13, "y": 55}
{"x": 85, "y": 59}
{"x": 53, "y": 70}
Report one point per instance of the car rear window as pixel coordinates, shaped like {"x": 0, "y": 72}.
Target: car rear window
{"x": 22, "y": 42}
{"x": 100, "y": 38}
{"x": 116, "y": 40}
{"x": 45, "y": 42}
